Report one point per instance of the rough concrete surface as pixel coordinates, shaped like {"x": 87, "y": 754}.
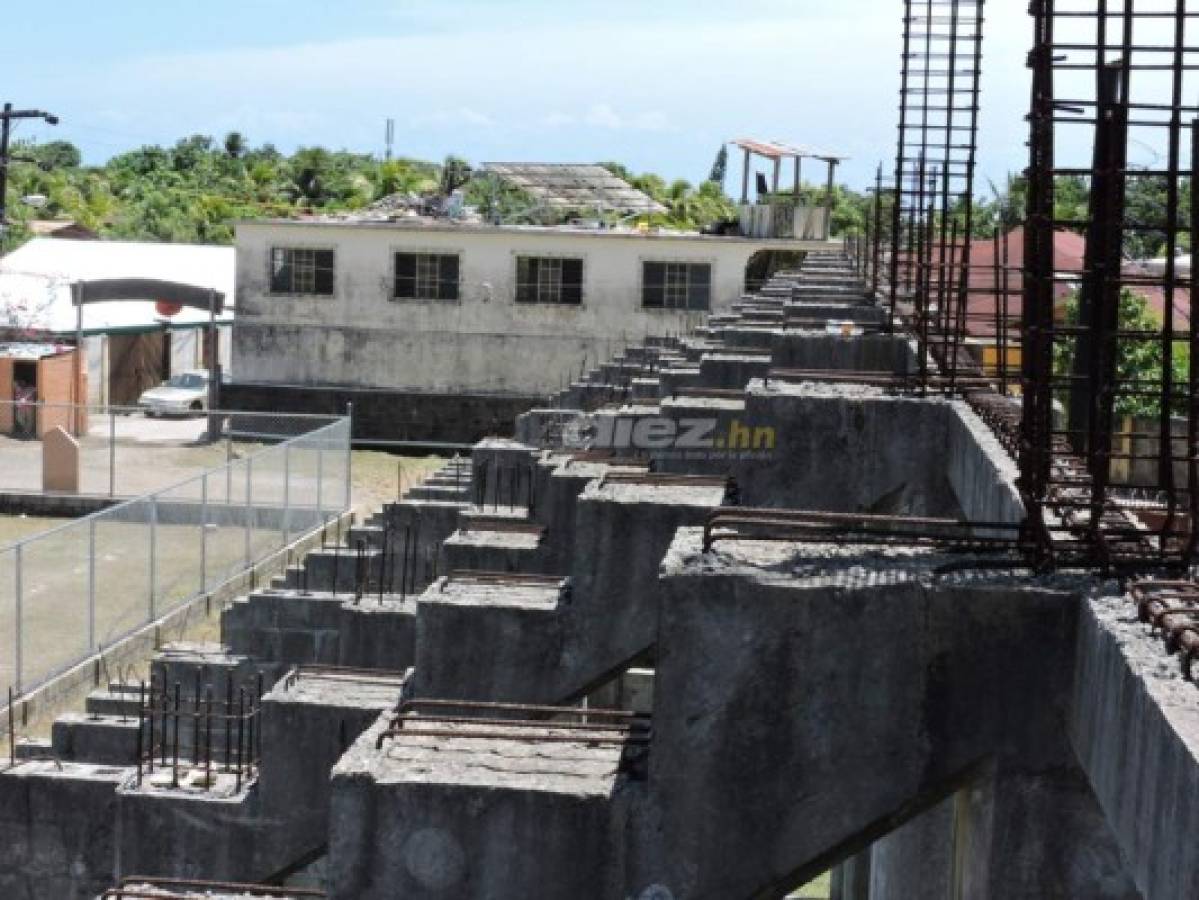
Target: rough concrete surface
{"x": 1135, "y": 727}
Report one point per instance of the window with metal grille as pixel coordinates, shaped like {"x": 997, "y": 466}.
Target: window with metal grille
{"x": 299, "y": 270}
{"x": 669, "y": 285}
{"x": 549, "y": 280}
{"x": 427, "y": 276}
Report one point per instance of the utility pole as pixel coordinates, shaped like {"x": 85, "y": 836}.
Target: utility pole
{"x": 7, "y": 117}
{"x": 389, "y": 137}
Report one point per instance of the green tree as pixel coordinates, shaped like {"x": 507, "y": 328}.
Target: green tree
{"x": 720, "y": 167}
{"x": 455, "y": 173}
{"x": 235, "y": 144}
{"x": 1136, "y": 360}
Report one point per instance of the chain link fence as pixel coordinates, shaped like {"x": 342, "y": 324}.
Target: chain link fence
{"x": 123, "y": 452}
{"x": 67, "y": 593}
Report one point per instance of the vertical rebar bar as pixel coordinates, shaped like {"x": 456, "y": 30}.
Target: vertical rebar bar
{"x": 91, "y": 583}
{"x": 175, "y": 736}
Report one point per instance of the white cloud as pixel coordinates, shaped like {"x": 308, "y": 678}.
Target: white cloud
{"x": 604, "y": 116}
{"x": 658, "y": 89}
{"x": 463, "y": 115}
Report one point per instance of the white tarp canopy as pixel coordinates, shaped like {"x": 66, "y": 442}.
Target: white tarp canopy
{"x": 35, "y": 283}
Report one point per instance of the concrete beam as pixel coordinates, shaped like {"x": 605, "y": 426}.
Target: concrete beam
{"x": 1135, "y": 726}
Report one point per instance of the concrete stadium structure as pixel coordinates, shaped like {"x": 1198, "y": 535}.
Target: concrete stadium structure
{"x": 563, "y": 669}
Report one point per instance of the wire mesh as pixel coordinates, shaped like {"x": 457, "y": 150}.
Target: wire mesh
{"x": 69, "y": 592}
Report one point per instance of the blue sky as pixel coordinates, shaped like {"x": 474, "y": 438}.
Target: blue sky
{"x": 657, "y": 84}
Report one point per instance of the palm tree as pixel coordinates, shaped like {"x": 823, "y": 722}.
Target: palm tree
{"x": 235, "y": 144}
{"x": 398, "y": 176}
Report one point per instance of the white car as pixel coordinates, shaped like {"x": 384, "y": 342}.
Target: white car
{"x": 184, "y": 394}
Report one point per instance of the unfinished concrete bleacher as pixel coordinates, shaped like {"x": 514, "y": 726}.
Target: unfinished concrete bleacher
{"x": 640, "y": 673}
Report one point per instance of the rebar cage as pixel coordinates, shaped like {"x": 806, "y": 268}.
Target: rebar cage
{"x": 932, "y": 212}
{"x": 1109, "y": 430}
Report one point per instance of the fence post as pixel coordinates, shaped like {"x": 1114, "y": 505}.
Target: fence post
{"x": 18, "y": 628}
{"x": 249, "y": 503}
{"x": 153, "y": 556}
{"x": 320, "y": 480}
{"x": 203, "y": 532}
{"x": 349, "y": 452}
{"x": 91, "y": 584}
{"x": 286, "y": 492}
{"x": 112, "y": 453}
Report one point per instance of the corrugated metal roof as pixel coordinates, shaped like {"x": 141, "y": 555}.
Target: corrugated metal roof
{"x": 575, "y": 187}
{"x": 35, "y": 282}
{"x": 781, "y": 150}
{"x": 30, "y": 350}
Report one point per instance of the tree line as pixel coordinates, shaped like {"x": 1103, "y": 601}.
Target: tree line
{"x": 196, "y": 190}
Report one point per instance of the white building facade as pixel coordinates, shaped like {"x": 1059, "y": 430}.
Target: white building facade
{"x": 435, "y": 306}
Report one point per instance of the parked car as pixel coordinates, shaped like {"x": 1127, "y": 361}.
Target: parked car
{"x": 185, "y": 394}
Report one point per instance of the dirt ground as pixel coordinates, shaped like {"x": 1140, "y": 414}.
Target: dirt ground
{"x": 378, "y": 478}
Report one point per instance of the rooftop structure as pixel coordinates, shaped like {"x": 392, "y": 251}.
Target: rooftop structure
{"x": 565, "y": 187}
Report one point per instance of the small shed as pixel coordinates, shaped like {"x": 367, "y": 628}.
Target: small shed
{"x": 34, "y": 373}
{"x": 129, "y": 344}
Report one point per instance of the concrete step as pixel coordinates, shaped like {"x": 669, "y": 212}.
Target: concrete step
{"x": 371, "y": 535}
{"x": 111, "y": 703}
{"x": 33, "y": 748}
{"x": 211, "y": 664}
{"x": 103, "y": 740}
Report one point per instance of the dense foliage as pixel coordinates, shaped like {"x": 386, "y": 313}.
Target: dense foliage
{"x": 1141, "y": 360}
{"x": 197, "y": 189}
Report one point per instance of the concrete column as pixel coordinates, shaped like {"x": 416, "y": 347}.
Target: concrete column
{"x": 915, "y": 860}
{"x": 851, "y": 879}
{"x": 828, "y": 198}
{"x": 1034, "y": 833}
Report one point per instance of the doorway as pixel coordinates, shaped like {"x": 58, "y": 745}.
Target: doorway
{"x": 24, "y": 396}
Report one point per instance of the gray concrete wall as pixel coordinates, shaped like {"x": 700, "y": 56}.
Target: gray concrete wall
{"x": 493, "y": 822}
{"x": 981, "y": 473}
{"x": 1134, "y": 726}
{"x": 842, "y": 448}
{"x": 57, "y": 830}
{"x": 841, "y": 701}
{"x": 915, "y": 860}
{"x": 323, "y": 715}
{"x": 796, "y": 349}
{"x": 502, "y": 646}
{"x": 391, "y": 415}
{"x": 613, "y": 615}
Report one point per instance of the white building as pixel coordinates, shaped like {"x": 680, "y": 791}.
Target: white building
{"x": 130, "y": 344}
{"x": 437, "y": 305}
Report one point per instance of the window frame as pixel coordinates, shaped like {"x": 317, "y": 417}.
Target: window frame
{"x": 667, "y": 264}
{"x": 558, "y": 260}
{"x": 426, "y": 253}
{"x": 301, "y": 248}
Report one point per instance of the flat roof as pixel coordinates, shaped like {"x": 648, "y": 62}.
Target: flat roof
{"x": 453, "y": 226}
{"x": 782, "y": 150}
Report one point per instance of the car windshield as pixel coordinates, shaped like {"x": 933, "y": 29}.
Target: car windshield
{"x": 188, "y": 380}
